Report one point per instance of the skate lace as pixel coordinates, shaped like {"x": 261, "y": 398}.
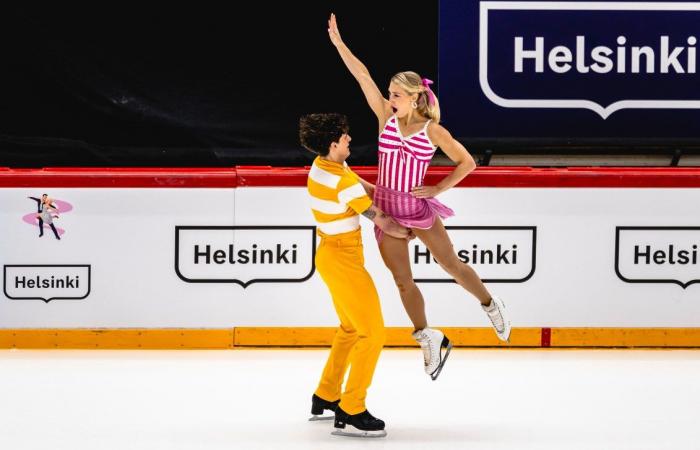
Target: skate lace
{"x": 496, "y": 318}
{"x": 426, "y": 352}
{"x": 368, "y": 417}
{"x": 429, "y": 356}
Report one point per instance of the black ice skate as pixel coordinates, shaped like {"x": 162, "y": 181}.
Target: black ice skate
{"x": 319, "y": 406}
{"x": 363, "y": 424}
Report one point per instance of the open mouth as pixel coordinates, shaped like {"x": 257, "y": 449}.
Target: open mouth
{"x": 393, "y": 109}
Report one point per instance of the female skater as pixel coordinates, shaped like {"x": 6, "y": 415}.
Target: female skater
{"x": 409, "y": 134}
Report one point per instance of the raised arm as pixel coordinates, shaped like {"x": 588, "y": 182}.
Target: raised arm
{"x": 456, "y": 152}
{"x": 38, "y": 203}
{"x": 379, "y": 105}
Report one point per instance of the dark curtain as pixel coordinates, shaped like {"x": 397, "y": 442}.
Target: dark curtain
{"x": 194, "y": 84}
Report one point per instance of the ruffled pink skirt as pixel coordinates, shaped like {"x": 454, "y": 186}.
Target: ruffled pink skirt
{"x": 407, "y": 210}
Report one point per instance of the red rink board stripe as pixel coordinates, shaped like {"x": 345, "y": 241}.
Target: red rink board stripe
{"x": 546, "y": 337}
{"x": 265, "y": 176}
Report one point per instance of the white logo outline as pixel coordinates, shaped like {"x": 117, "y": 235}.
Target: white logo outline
{"x": 602, "y": 111}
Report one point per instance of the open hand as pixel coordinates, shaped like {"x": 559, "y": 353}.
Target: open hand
{"x": 333, "y": 31}
{"x": 425, "y": 191}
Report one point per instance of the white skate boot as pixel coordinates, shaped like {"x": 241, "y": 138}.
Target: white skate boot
{"x": 432, "y": 342}
{"x": 500, "y": 321}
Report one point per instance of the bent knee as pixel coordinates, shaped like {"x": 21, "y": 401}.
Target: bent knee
{"x": 379, "y": 338}
{"x": 376, "y": 336}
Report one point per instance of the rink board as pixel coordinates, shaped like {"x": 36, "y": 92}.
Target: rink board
{"x": 219, "y": 258}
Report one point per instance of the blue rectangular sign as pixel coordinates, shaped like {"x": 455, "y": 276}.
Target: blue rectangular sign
{"x": 570, "y": 69}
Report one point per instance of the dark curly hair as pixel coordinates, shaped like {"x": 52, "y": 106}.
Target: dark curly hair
{"x": 318, "y": 131}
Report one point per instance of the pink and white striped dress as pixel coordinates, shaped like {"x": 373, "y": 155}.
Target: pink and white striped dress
{"x": 403, "y": 162}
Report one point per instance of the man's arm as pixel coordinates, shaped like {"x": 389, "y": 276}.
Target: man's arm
{"x": 386, "y": 223}
{"x": 369, "y": 187}
{"x": 38, "y": 203}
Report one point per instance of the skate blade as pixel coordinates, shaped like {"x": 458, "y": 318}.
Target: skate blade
{"x": 435, "y": 374}
{"x": 359, "y": 433}
{"x": 321, "y": 418}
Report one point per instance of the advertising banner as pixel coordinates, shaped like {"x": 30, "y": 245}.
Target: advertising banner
{"x": 570, "y": 71}
{"x": 216, "y": 257}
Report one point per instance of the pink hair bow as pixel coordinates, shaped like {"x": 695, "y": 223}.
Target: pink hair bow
{"x": 431, "y": 97}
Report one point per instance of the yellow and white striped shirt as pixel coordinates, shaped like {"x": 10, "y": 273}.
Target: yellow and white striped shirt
{"x": 337, "y": 197}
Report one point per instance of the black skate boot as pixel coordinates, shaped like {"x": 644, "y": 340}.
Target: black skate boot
{"x": 363, "y": 424}
{"x": 319, "y": 406}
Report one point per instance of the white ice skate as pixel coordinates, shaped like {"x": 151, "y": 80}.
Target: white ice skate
{"x": 432, "y": 342}
{"x": 500, "y": 321}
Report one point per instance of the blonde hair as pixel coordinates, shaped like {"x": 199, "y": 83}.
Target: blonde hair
{"x": 412, "y": 83}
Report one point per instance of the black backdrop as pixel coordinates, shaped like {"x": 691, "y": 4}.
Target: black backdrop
{"x": 204, "y": 85}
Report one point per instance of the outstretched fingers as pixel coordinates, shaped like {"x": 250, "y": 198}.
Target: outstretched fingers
{"x": 333, "y": 31}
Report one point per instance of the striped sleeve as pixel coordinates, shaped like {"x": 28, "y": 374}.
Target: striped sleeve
{"x": 351, "y": 192}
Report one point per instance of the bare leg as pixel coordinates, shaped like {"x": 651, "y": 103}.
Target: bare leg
{"x": 440, "y": 246}
{"x": 395, "y": 255}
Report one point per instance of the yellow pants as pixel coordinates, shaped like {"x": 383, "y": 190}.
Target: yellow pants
{"x": 361, "y": 335}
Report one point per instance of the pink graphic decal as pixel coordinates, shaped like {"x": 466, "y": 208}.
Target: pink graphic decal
{"x": 62, "y": 207}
